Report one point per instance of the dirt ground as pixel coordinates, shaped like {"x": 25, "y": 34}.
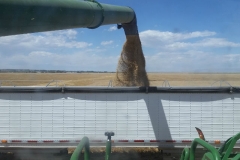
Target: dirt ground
{"x": 127, "y": 153}
{"x": 140, "y": 153}
{"x": 104, "y": 79}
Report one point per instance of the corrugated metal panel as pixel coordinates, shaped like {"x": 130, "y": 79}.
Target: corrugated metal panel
{"x": 132, "y": 116}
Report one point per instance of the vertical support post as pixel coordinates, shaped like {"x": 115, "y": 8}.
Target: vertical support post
{"x": 108, "y": 145}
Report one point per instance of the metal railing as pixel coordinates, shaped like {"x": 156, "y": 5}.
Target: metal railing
{"x": 56, "y": 83}
{"x": 110, "y": 83}
{"x": 221, "y": 82}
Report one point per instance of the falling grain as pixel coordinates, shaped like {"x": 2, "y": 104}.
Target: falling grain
{"x": 131, "y": 65}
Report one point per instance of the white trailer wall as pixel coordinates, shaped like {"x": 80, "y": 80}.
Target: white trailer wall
{"x": 132, "y": 116}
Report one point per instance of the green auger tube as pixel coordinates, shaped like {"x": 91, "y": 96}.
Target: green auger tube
{"x": 228, "y": 147}
{"x": 185, "y": 154}
{"x": 84, "y": 143}
{"x": 213, "y": 153}
{"x": 29, "y": 16}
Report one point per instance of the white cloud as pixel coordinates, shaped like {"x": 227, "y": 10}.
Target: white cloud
{"x": 40, "y": 54}
{"x": 44, "y": 40}
{"x": 53, "y": 50}
{"x": 113, "y": 28}
{"x": 193, "y": 61}
{"x": 85, "y": 60}
{"x": 176, "y": 52}
{"x": 106, "y": 42}
{"x": 186, "y": 52}
{"x": 208, "y": 42}
{"x": 217, "y": 42}
{"x": 177, "y": 41}
{"x": 154, "y": 36}
{"x": 70, "y": 33}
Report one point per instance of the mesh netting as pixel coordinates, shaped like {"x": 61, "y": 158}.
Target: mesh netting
{"x": 131, "y": 65}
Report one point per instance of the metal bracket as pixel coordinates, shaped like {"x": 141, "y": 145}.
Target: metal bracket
{"x": 166, "y": 83}
{"x": 110, "y": 84}
{"x": 220, "y": 83}
{"x": 119, "y": 26}
{"x": 109, "y": 135}
{"x": 56, "y": 83}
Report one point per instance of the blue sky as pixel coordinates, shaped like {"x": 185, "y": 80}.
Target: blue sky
{"x": 176, "y": 36}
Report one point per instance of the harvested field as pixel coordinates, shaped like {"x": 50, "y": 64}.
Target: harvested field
{"x": 103, "y": 79}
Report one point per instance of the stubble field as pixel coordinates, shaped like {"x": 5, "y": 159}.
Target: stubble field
{"x": 103, "y": 79}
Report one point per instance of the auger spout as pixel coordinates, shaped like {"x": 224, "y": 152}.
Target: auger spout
{"x": 29, "y": 16}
